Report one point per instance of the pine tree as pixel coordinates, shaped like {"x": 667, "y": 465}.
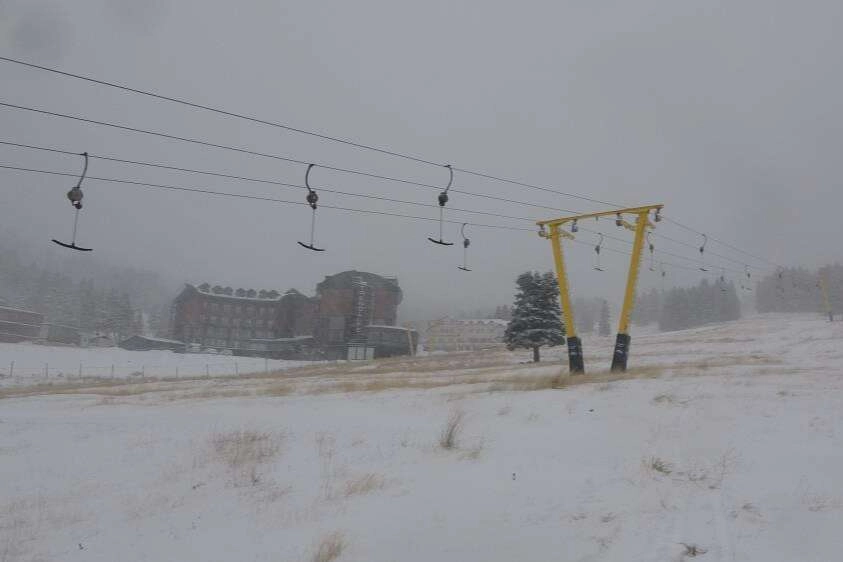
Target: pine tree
{"x": 603, "y": 327}
{"x": 536, "y": 320}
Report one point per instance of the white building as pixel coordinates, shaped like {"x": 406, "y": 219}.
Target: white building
{"x": 449, "y": 334}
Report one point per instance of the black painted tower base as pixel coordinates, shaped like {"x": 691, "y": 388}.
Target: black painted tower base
{"x": 621, "y": 352}
{"x": 575, "y": 361}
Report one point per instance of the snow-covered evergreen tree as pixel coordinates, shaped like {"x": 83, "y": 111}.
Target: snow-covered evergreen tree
{"x": 536, "y": 319}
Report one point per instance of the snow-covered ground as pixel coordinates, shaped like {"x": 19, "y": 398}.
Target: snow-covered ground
{"x": 723, "y": 446}
{"x": 22, "y": 364}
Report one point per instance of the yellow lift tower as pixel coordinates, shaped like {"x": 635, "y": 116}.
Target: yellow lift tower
{"x": 552, "y": 230}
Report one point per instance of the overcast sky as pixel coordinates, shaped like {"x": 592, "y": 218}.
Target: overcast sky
{"x": 729, "y": 113}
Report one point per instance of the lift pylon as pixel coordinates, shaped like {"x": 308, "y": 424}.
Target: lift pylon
{"x": 575, "y": 359}
{"x": 551, "y": 229}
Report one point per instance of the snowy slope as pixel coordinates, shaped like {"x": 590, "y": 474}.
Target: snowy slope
{"x": 727, "y": 442}
{"x": 23, "y": 363}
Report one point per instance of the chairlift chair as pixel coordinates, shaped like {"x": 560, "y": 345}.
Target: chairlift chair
{"x": 652, "y": 249}
{"x": 75, "y": 196}
{"x": 465, "y": 244}
{"x": 312, "y": 199}
{"x": 597, "y": 253}
{"x": 443, "y": 200}
{"x": 702, "y": 253}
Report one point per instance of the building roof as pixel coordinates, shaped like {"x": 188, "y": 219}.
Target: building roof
{"x": 346, "y": 278}
{"x": 282, "y": 340}
{"x": 13, "y": 309}
{"x": 204, "y": 290}
{"x": 495, "y": 321}
{"x": 154, "y": 340}
{"x": 385, "y": 327}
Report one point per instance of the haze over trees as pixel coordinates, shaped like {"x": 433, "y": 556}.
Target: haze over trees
{"x": 100, "y": 298}
{"x": 795, "y": 289}
{"x": 688, "y": 307}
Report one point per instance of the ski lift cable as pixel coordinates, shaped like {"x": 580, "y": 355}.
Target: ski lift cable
{"x": 323, "y": 136}
{"x": 272, "y": 182}
{"x": 291, "y": 128}
{"x": 256, "y": 197}
{"x": 387, "y": 178}
{"x": 326, "y": 190}
{"x": 663, "y": 252}
{"x": 264, "y": 181}
{"x": 298, "y": 186}
{"x": 369, "y": 196}
{"x": 726, "y": 244}
{"x": 337, "y": 168}
{"x": 221, "y": 111}
{"x": 201, "y": 191}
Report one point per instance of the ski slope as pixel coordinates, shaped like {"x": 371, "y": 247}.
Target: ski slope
{"x": 722, "y": 443}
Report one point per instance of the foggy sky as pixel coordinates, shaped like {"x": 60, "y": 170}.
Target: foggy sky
{"x": 728, "y": 113}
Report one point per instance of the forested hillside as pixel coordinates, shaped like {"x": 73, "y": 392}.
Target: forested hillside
{"x": 93, "y": 296}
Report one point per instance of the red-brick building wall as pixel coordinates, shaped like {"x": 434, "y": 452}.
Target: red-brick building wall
{"x": 228, "y": 320}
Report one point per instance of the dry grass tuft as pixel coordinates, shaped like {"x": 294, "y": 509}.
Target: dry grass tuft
{"x": 655, "y": 464}
{"x": 693, "y": 550}
{"x": 364, "y": 484}
{"x": 450, "y": 433}
{"x": 473, "y": 453}
{"x": 244, "y": 448}
{"x": 330, "y": 548}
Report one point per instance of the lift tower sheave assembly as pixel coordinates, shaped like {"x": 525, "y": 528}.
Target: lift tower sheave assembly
{"x": 552, "y": 230}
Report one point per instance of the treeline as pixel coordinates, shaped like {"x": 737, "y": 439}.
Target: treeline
{"x": 687, "y": 307}
{"x": 112, "y": 301}
{"x": 590, "y": 313}
{"x": 797, "y": 289}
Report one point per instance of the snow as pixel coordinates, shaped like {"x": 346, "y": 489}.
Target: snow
{"x": 733, "y": 446}
{"x": 41, "y": 364}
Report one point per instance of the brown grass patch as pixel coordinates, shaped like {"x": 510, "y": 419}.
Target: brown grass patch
{"x": 284, "y": 389}
{"x": 364, "y": 485}
{"x": 329, "y": 548}
{"x": 245, "y": 447}
{"x": 567, "y": 381}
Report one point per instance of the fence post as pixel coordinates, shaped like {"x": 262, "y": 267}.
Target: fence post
{"x": 143, "y": 371}
{"x": 207, "y": 372}
{"x": 12, "y": 369}
{"x": 80, "y": 369}
{"x": 46, "y": 370}
{"x": 177, "y": 372}
{"x": 236, "y": 370}
{"x": 112, "y": 370}
{"x": 265, "y": 366}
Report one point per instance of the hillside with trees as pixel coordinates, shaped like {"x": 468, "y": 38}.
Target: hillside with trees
{"x": 99, "y": 298}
